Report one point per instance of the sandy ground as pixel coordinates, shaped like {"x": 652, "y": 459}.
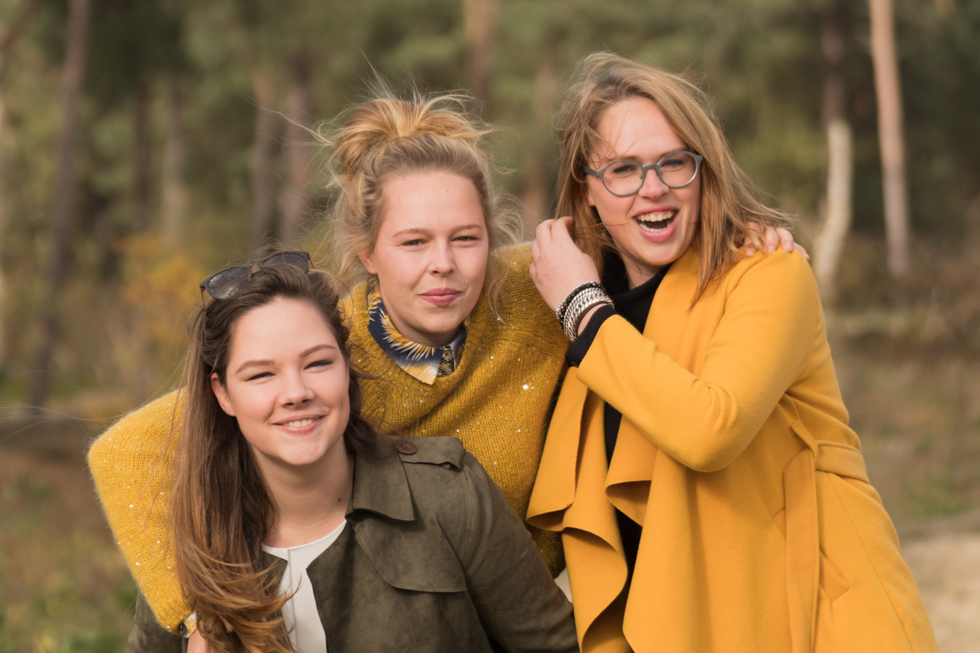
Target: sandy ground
{"x": 947, "y": 568}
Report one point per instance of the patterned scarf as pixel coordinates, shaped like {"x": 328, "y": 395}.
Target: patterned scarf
{"x": 421, "y": 361}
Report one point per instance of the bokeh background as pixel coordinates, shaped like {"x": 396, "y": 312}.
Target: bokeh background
{"x": 144, "y": 143}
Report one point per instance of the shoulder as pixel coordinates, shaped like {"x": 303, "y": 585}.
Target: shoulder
{"x": 782, "y": 276}
{"x": 521, "y": 310}
{"x": 445, "y": 452}
{"x": 444, "y": 478}
{"x": 768, "y": 274}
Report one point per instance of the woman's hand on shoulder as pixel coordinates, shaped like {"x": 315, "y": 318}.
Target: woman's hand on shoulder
{"x": 771, "y": 238}
{"x": 557, "y": 264}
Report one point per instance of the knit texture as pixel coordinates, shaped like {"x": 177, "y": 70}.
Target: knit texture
{"x": 497, "y": 403}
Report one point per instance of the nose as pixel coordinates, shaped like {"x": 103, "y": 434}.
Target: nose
{"x": 652, "y": 185}
{"x": 442, "y": 260}
{"x": 295, "y": 391}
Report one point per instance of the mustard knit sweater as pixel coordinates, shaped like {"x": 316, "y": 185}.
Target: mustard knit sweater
{"x": 497, "y": 402}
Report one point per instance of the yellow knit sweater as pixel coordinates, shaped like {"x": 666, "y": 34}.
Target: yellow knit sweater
{"x": 496, "y": 402}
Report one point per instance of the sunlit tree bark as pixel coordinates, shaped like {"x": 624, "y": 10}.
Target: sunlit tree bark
{"x": 174, "y": 204}
{"x": 888, "y": 92}
{"x": 298, "y": 173}
{"x": 536, "y": 196}
{"x": 837, "y": 200}
{"x": 479, "y": 24}
{"x": 62, "y": 209}
{"x": 8, "y": 37}
{"x": 260, "y": 157}
{"x": 142, "y": 154}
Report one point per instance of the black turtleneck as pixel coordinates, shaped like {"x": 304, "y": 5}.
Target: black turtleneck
{"x": 633, "y": 304}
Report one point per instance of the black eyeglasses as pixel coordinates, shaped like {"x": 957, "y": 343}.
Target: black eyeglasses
{"x": 225, "y": 283}
{"x": 624, "y": 178}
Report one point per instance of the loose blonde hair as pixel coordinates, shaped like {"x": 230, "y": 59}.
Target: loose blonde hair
{"x": 729, "y": 200}
{"x": 386, "y": 137}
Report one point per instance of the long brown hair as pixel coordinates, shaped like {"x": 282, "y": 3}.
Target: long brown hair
{"x": 386, "y": 137}
{"x": 729, "y": 200}
{"x": 222, "y": 508}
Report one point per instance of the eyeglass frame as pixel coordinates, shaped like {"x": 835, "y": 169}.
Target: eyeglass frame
{"x": 267, "y": 261}
{"x": 600, "y": 174}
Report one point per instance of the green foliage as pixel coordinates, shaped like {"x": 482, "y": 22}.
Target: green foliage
{"x": 761, "y": 60}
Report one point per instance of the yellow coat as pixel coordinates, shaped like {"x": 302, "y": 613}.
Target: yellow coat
{"x": 760, "y": 530}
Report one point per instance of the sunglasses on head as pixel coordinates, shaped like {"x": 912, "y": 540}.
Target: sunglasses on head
{"x": 225, "y": 283}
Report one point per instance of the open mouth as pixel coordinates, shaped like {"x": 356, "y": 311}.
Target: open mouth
{"x": 656, "y": 222}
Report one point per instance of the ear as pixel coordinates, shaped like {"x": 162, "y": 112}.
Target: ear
{"x": 222, "y": 395}
{"x": 367, "y": 259}
{"x": 588, "y": 194}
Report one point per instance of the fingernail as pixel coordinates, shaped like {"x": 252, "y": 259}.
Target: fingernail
{"x": 749, "y": 251}
{"x": 771, "y": 248}
{"x": 788, "y": 246}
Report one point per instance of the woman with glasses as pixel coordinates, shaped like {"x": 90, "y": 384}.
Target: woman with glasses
{"x": 299, "y": 528}
{"x": 445, "y": 322}
{"x": 699, "y": 466}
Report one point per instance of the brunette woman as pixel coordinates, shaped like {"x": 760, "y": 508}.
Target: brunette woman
{"x": 299, "y": 528}
{"x": 699, "y": 466}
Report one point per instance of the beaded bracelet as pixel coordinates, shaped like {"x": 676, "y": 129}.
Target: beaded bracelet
{"x": 563, "y": 306}
{"x": 579, "y": 306}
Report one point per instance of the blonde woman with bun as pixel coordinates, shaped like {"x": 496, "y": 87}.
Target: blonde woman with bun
{"x": 699, "y": 465}
{"x": 446, "y": 325}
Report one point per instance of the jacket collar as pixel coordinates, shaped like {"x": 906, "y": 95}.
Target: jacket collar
{"x": 380, "y": 487}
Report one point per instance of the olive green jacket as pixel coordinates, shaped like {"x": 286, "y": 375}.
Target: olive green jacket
{"x": 433, "y": 559}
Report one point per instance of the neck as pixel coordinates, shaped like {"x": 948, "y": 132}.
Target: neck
{"x": 310, "y": 501}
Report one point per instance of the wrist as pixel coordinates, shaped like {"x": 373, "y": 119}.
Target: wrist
{"x": 583, "y": 325}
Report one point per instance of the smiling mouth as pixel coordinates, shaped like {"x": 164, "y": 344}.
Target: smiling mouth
{"x": 655, "y": 222}
{"x": 297, "y": 423}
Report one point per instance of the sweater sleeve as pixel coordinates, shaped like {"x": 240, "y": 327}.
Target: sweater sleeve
{"x": 705, "y": 421}
{"x": 519, "y": 604}
{"x": 131, "y": 464}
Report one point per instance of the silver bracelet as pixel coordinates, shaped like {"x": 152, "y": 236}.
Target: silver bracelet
{"x": 563, "y": 306}
{"x": 579, "y": 306}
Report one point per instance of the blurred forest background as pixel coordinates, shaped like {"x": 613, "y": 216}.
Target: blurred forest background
{"x": 145, "y": 143}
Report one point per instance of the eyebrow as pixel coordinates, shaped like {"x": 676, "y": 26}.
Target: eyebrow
{"x": 303, "y": 354}
{"x": 415, "y": 230}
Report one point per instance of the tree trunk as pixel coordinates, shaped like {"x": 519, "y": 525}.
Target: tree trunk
{"x": 142, "y": 155}
{"x": 837, "y": 196}
{"x": 479, "y": 26}
{"x": 888, "y": 92}
{"x": 294, "y": 205}
{"x": 260, "y": 157}
{"x": 62, "y": 209}
{"x": 174, "y": 190}
{"x": 10, "y": 36}
{"x": 536, "y": 196}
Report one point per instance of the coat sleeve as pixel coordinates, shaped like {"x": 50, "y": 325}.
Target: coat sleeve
{"x": 131, "y": 466}
{"x": 519, "y": 604}
{"x": 759, "y": 347}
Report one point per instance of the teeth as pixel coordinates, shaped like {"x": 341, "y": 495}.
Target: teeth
{"x": 655, "y": 217}
{"x": 654, "y": 221}
{"x": 299, "y": 422}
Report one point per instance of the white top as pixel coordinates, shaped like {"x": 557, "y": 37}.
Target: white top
{"x": 300, "y": 613}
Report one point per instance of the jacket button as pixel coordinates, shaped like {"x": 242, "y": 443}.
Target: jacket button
{"x": 405, "y": 447}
